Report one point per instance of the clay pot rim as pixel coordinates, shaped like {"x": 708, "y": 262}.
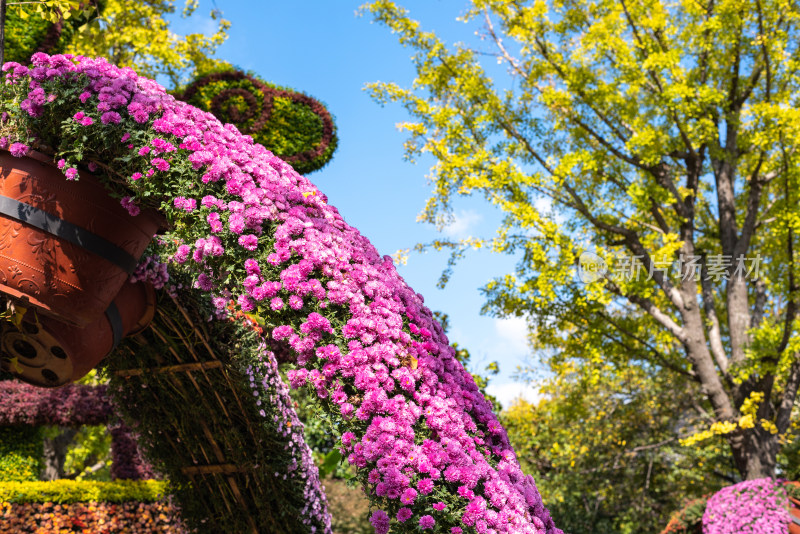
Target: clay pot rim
{"x": 49, "y": 159}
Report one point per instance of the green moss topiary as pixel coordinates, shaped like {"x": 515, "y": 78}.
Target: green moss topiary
{"x": 292, "y": 125}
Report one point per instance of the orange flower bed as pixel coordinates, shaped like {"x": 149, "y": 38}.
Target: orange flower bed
{"x": 89, "y": 518}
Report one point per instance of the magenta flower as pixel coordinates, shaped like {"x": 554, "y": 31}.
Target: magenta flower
{"x": 426, "y": 522}
{"x": 129, "y": 205}
{"x": 250, "y": 242}
{"x": 18, "y": 150}
{"x": 110, "y": 117}
{"x": 408, "y": 496}
{"x": 403, "y": 514}
{"x": 160, "y": 163}
{"x": 380, "y": 520}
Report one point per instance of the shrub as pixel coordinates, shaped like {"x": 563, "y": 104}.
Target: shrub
{"x": 20, "y": 453}
{"x": 72, "y": 491}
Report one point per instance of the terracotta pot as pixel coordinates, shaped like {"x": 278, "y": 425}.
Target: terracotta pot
{"x": 794, "y": 511}
{"x": 66, "y": 247}
{"x": 51, "y": 353}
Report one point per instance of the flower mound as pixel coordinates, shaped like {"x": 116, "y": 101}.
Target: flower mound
{"x": 250, "y": 229}
{"x": 751, "y": 507}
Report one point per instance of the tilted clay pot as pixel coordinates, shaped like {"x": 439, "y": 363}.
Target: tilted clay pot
{"x": 50, "y": 353}
{"x": 794, "y": 511}
{"x": 66, "y": 247}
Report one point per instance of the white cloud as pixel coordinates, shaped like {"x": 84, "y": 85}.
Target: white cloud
{"x": 543, "y": 204}
{"x": 463, "y": 224}
{"x": 513, "y": 334}
{"x": 510, "y": 391}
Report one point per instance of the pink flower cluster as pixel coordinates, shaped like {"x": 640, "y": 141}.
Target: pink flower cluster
{"x": 758, "y": 506}
{"x": 428, "y": 449}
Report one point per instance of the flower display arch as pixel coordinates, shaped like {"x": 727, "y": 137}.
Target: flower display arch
{"x": 244, "y": 228}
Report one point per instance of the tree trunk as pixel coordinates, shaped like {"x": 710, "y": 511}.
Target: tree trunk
{"x": 754, "y": 452}
{"x": 55, "y": 453}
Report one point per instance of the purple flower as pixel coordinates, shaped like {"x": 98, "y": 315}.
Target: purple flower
{"x": 160, "y": 163}
{"x": 128, "y": 204}
{"x": 749, "y": 507}
{"x": 425, "y": 486}
{"x": 380, "y": 520}
{"x": 408, "y": 496}
{"x": 403, "y": 514}
{"x": 72, "y": 173}
{"x": 110, "y": 117}
{"x": 439, "y": 506}
{"x": 249, "y": 241}
{"x": 426, "y": 522}
{"x": 18, "y": 150}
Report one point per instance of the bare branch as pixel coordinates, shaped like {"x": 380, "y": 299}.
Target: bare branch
{"x": 654, "y": 311}
{"x": 714, "y": 336}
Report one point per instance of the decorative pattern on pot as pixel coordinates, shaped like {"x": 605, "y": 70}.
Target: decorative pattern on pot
{"x": 66, "y": 248}
{"x": 46, "y": 352}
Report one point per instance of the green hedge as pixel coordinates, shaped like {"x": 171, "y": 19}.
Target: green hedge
{"x": 20, "y": 453}
{"x": 73, "y": 491}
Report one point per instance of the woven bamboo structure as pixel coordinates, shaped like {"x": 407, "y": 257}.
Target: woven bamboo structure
{"x": 182, "y": 386}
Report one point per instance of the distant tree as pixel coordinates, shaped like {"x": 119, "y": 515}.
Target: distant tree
{"x": 603, "y": 445}
{"x": 139, "y": 35}
{"x": 660, "y": 137}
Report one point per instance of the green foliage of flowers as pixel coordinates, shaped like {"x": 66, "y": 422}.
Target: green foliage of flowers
{"x": 72, "y": 491}
{"x": 20, "y": 453}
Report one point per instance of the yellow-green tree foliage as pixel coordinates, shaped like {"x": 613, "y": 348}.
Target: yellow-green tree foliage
{"x": 604, "y": 448}
{"x": 130, "y": 34}
{"x": 661, "y": 137}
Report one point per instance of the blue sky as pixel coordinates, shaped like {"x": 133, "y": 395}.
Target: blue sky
{"x": 324, "y": 49}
